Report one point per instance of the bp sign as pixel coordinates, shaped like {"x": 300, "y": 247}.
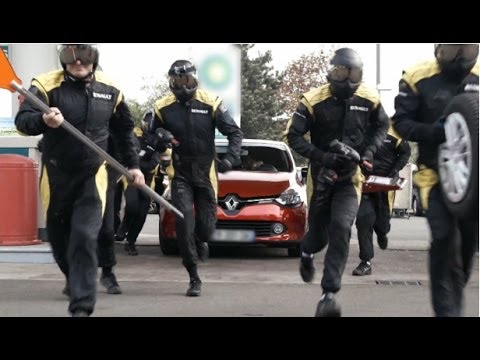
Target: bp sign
{"x": 216, "y": 72}
{"x": 218, "y": 68}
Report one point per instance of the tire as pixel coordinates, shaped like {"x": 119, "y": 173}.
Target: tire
{"x": 294, "y": 251}
{"x": 458, "y": 157}
{"x": 168, "y": 246}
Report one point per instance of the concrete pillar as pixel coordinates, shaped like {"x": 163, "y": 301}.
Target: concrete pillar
{"x": 29, "y": 60}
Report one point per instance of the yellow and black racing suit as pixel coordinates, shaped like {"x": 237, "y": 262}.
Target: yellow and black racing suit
{"x": 424, "y": 93}
{"x": 74, "y": 179}
{"x": 375, "y": 209}
{"x": 359, "y": 122}
{"x": 194, "y": 183}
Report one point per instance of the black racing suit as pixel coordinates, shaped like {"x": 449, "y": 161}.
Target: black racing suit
{"x": 424, "y": 93}
{"x": 136, "y": 202}
{"x": 74, "y": 179}
{"x": 359, "y": 122}
{"x": 194, "y": 183}
{"x": 106, "y": 236}
{"x": 375, "y": 209}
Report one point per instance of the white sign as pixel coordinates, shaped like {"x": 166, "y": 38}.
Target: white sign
{"x": 218, "y": 68}
{"x": 7, "y": 126}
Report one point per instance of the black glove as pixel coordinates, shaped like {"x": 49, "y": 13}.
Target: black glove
{"x": 151, "y": 140}
{"x": 367, "y": 156}
{"x": 367, "y": 162}
{"x": 164, "y": 136}
{"x": 439, "y": 131}
{"x": 224, "y": 165}
{"x": 334, "y": 161}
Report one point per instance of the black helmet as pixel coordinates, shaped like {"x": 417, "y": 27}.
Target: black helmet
{"x": 456, "y": 60}
{"x": 147, "y": 121}
{"x": 345, "y": 73}
{"x": 347, "y": 57}
{"x": 183, "y": 80}
{"x": 86, "y": 53}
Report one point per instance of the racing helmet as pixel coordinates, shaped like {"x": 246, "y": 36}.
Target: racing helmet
{"x": 183, "y": 80}
{"x": 345, "y": 73}
{"x": 456, "y": 60}
{"x": 147, "y": 121}
{"x": 86, "y": 53}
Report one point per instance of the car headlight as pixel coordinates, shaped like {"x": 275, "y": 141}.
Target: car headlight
{"x": 289, "y": 198}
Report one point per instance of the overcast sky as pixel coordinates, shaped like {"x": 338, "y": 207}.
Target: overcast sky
{"x": 133, "y": 65}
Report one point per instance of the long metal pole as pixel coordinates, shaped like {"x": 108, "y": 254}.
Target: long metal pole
{"x": 102, "y": 153}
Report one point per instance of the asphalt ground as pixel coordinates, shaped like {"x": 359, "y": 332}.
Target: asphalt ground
{"x": 240, "y": 282}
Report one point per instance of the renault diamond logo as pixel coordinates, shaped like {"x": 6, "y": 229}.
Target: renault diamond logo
{"x": 231, "y": 202}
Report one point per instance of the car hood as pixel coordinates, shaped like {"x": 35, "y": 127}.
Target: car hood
{"x": 253, "y": 184}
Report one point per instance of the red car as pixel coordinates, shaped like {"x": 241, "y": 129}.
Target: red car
{"x": 262, "y": 201}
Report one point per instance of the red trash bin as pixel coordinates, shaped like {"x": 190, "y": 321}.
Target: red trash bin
{"x": 18, "y": 200}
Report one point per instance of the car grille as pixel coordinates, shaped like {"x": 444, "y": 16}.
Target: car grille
{"x": 233, "y": 204}
{"x": 261, "y": 228}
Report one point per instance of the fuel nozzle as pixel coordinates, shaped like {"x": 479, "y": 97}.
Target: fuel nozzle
{"x": 339, "y": 147}
{"x": 166, "y": 137}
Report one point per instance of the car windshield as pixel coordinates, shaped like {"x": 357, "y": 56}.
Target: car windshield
{"x": 260, "y": 158}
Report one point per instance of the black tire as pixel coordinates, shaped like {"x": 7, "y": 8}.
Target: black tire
{"x": 168, "y": 246}
{"x": 462, "y": 116}
{"x": 294, "y": 251}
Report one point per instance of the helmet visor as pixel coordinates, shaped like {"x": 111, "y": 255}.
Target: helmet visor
{"x": 69, "y": 54}
{"x": 342, "y": 73}
{"x": 450, "y": 52}
{"x": 184, "y": 69}
{"x": 183, "y": 81}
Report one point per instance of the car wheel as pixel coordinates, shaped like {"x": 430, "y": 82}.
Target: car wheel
{"x": 458, "y": 157}
{"x": 168, "y": 246}
{"x": 294, "y": 251}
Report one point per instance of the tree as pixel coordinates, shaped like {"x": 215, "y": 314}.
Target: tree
{"x": 137, "y": 109}
{"x": 154, "y": 91}
{"x": 261, "y": 102}
{"x": 307, "y": 72}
